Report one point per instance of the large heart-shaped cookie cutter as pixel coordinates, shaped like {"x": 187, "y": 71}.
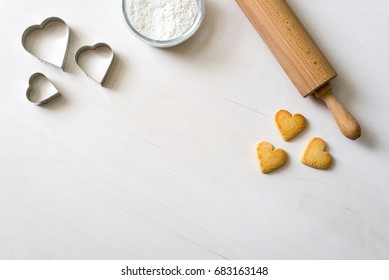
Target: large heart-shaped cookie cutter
{"x": 42, "y": 26}
{"x": 30, "y": 88}
{"x": 93, "y": 48}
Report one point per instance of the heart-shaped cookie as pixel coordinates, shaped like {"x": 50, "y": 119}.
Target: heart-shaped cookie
{"x": 315, "y": 155}
{"x": 270, "y": 159}
{"x": 289, "y": 126}
{"x": 41, "y": 90}
{"x": 95, "y": 61}
{"x": 48, "y": 41}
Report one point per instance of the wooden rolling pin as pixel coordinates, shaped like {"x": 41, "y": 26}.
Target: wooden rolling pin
{"x": 299, "y": 55}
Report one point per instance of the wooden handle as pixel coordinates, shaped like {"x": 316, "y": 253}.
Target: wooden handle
{"x": 346, "y": 122}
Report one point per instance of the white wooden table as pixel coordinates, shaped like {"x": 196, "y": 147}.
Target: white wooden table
{"x": 161, "y": 164}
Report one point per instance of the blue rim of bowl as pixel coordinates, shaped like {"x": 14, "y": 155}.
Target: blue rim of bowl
{"x": 173, "y": 42}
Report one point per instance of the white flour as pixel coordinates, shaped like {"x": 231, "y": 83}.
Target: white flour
{"x": 162, "y": 19}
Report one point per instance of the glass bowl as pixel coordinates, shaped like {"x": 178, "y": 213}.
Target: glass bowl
{"x": 173, "y": 42}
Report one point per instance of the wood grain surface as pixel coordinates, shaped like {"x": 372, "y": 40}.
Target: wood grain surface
{"x": 161, "y": 163}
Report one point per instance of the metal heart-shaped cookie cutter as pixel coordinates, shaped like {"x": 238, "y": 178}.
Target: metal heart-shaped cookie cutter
{"x": 30, "y": 88}
{"x": 42, "y": 26}
{"x": 93, "y": 48}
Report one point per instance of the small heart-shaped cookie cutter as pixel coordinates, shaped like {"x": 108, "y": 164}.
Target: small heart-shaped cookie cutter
{"x": 30, "y": 88}
{"x": 42, "y": 26}
{"x": 92, "y": 48}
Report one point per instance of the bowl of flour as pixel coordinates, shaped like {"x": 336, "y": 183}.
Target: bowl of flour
{"x": 163, "y": 23}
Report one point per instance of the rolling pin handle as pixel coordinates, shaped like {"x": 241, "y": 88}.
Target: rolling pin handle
{"x": 346, "y": 122}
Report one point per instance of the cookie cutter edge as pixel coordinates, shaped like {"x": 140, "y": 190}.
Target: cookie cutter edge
{"x": 31, "y": 81}
{"x": 33, "y": 28}
{"x": 92, "y": 48}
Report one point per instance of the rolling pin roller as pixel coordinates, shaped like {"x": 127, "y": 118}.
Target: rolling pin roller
{"x": 298, "y": 54}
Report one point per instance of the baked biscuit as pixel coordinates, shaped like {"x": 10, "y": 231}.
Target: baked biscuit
{"x": 289, "y": 126}
{"x": 315, "y": 155}
{"x": 270, "y": 159}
